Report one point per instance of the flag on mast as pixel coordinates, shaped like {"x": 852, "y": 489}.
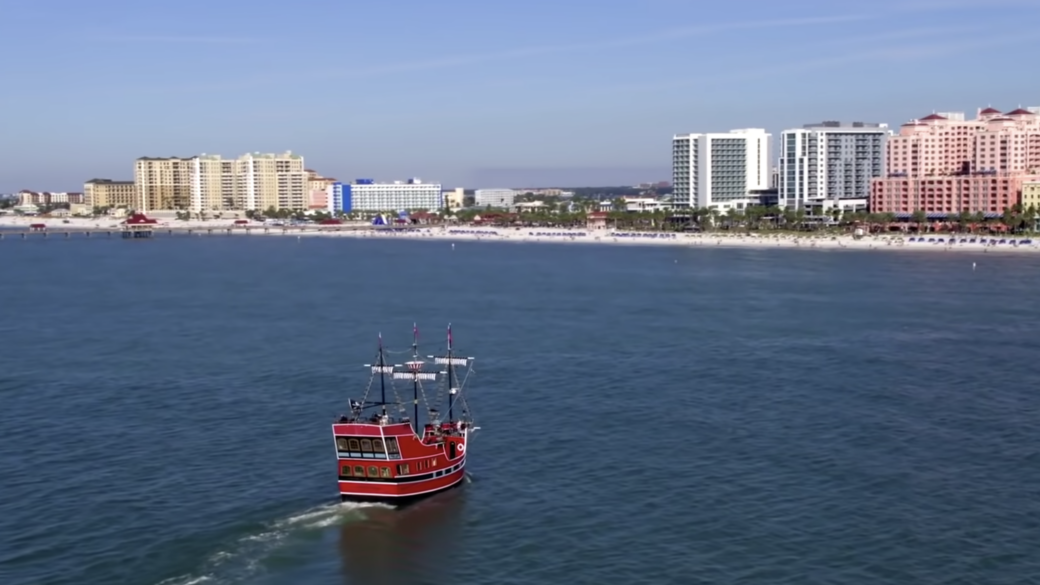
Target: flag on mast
{"x": 415, "y": 333}
{"x": 449, "y": 335}
{"x": 380, "y": 340}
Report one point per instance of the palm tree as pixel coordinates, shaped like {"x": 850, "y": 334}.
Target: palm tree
{"x": 1009, "y": 219}
{"x": 919, "y": 217}
{"x": 1030, "y": 216}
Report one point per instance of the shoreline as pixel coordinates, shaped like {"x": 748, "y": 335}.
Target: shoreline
{"x": 757, "y": 240}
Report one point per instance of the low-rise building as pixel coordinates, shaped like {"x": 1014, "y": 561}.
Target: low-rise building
{"x": 48, "y": 198}
{"x": 454, "y": 198}
{"x": 109, "y": 193}
{"x": 495, "y": 198}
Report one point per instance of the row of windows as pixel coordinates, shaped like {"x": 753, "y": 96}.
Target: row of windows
{"x": 350, "y": 472}
{"x": 358, "y": 471}
{"x": 365, "y": 447}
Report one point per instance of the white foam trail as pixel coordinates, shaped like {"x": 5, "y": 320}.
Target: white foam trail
{"x": 245, "y": 554}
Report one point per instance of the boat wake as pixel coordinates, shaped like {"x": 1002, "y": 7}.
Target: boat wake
{"x": 243, "y": 559}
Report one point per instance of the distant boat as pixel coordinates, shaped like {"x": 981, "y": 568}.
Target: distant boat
{"x": 386, "y": 456}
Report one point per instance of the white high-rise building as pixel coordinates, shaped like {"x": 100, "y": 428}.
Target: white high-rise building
{"x": 719, "y": 170}
{"x": 830, "y": 165}
{"x": 497, "y": 198}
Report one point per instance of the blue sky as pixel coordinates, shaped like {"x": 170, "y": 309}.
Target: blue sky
{"x": 478, "y": 93}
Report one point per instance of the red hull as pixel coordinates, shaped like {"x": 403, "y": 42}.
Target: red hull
{"x": 389, "y": 463}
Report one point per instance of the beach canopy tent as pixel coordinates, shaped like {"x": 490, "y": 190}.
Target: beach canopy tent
{"x": 379, "y": 220}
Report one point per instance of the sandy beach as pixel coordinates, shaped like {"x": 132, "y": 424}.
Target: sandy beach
{"x": 880, "y": 242}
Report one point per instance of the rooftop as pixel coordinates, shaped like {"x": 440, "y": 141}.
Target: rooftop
{"x": 835, "y": 124}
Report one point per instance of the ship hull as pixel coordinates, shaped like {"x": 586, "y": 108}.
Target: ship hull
{"x": 400, "y": 494}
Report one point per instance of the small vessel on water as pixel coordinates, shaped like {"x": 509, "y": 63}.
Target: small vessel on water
{"x": 386, "y": 456}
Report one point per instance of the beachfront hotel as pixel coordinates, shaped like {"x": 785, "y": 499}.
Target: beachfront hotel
{"x": 719, "y": 170}
{"x": 109, "y": 193}
{"x": 943, "y": 164}
{"x": 318, "y": 190}
{"x": 495, "y": 198}
{"x": 367, "y": 195}
{"x": 207, "y": 182}
{"x": 830, "y": 165}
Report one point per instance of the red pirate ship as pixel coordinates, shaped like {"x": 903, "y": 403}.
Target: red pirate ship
{"x": 386, "y": 456}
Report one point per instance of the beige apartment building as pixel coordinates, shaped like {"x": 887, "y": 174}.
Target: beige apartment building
{"x": 207, "y": 183}
{"x": 1031, "y": 195}
{"x": 271, "y": 180}
{"x": 109, "y": 193}
{"x": 163, "y": 183}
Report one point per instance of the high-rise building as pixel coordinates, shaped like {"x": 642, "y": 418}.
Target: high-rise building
{"x": 497, "y": 198}
{"x": 211, "y": 183}
{"x": 108, "y": 193}
{"x": 272, "y": 180}
{"x": 367, "y": 195}
{"x": 943, "y": 164}
{"x": 830, "y": 165}
{"x": 163, "y": 183}
{"x": 719, "y": 170}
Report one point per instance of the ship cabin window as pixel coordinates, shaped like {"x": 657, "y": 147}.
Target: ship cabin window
{"x": 402, "y": 469}
{"x": 361, "y": 447}
{"x": 359, "y": 471}
{"x": 392, "y": 448}
{"x": 345, "y": 471}
{"x": 373, "y": 471}
{"x": 384, "y": 472}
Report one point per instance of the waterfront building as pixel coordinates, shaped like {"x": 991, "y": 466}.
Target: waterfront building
{"x": 1031, "y": 194}
{"x": 318, "y": 190}
{"x": 830, "y": 165}
{"x": 368, "y": 195}
{"x": 207, "y": 182}
{"x": 454, "y": 198}
{"x": 943, "y": 164}
{"x": 496, "y": 198}
{"x": 109, "y": 193}
{"x": 163, "y": 183}
{"x": 269, "y": 180}
{"x": 48, "y": 198}
{"x": 719, "y": 170}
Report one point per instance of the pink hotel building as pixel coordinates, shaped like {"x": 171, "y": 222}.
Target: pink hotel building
{"x": 944, "y": 164}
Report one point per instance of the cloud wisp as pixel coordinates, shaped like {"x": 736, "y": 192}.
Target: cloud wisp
{"x": 660, "y": 36}
{"x": 170, "y": 39}
{"x": 448, "y": 62}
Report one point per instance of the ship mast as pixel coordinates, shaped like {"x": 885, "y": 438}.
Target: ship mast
{"x": 382, "y": 376}
{"x": 451, "y": 385}
{"x": 415, "y": 379}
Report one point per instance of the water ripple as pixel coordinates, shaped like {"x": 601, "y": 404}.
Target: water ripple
{"x": 735, "y": 417}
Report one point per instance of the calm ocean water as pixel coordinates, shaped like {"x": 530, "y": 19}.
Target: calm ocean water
{"x": 650, "y": 415}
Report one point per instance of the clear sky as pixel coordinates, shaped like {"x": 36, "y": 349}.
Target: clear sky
{"x": 478, "y": 93}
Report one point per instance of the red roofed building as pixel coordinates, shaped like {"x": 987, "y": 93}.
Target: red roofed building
{"x": 140, "y": 219}
{"x": 944, "y": 164}
{"x": 597, "y": 220}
